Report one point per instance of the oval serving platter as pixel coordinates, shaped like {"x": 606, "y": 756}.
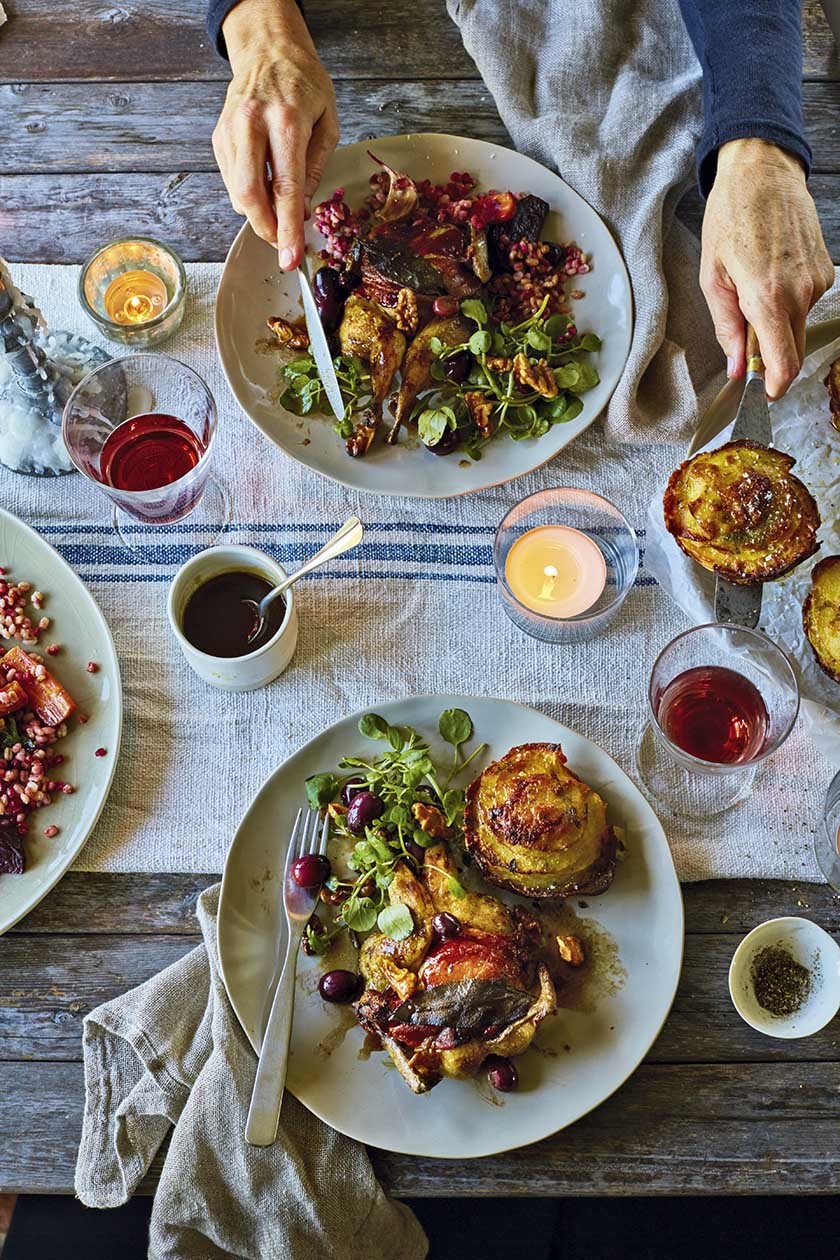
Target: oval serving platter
{"x": 586, "y": 1053}
{"x": 252, "y": 288}
{"x": 79, "y": 626}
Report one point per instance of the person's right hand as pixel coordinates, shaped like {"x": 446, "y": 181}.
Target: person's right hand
{"x": 279, "y": 122}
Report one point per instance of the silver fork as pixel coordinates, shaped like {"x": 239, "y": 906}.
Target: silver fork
{"x": 298, "y": 903}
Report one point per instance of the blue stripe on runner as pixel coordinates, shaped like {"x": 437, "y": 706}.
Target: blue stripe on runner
{"x": 378, "y": 575}
{"x": 266, "y": 527}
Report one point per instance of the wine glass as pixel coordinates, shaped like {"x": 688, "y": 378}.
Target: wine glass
{"x": 721, "y": 700}
{"x": 141, "y": 428}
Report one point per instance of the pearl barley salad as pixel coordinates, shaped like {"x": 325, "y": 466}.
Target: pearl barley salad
{"x": 34, "y": 712}
{"x": 443, "y": 304}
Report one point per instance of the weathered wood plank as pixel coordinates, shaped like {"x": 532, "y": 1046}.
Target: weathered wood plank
{"x": 820, "y": 51}
{"x": 48, "y": 983}
{"x": 76, "y": 127}
{"x": 48, "y": 42}
{"x": 63, "y": 218}
{"x": 166, "y": 39}
{"x": 87, "y": 902}
{"x": 737, "y": 1129}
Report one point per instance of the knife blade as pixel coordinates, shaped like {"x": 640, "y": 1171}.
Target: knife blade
{"x": 741, "y": 605}
{"x": 319, "y": 346}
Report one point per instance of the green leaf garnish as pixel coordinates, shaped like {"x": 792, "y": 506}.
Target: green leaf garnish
{"x": 372, "y": 726}
{"x": 480, "y": 342}
{"x": 455, "y": 726}
{"x": 396, "y": 922}
{"x": 474, "y": 309}
{"x": 359, "y": 914}
{"x": 321, "y": 789}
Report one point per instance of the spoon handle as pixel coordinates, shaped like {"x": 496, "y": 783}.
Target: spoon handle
{"x": 350, "y": 535}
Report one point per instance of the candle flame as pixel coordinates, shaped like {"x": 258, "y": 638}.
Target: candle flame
{"x": 550, "y": 574}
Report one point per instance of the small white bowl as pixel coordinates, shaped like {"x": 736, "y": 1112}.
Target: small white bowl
{"x": 809, "y": 945}
{"x": 234, "y": 673}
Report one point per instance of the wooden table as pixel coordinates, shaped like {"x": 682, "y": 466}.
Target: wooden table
{"x": 107, "y": 129}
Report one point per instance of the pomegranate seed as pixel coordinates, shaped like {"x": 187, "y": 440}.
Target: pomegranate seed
{"x": 92, "y": 667}
{"x": 100, "y": 752}
{"x": 51, "y": 831}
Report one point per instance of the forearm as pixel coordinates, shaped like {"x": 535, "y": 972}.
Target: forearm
{"x": 237, "y": 25}
{"x": 751, "y": 56}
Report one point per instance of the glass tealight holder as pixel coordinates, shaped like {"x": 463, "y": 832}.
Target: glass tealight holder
{"x": 827, "y": 839}
{"x": 565, "y": 560}
{"x": 134, "y": 291}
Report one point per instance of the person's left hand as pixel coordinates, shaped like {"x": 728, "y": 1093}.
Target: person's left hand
{"x": 764, "y": 258}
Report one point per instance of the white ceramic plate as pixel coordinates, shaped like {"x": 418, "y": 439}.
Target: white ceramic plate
{"x": 585, "y": 1055}
{"x": 252, "y": 288}
{"x": 78, "y": 625}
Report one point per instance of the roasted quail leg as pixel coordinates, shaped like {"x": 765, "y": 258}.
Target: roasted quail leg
{"x": 369, "y": 334}
{"x": 416, "y": 374}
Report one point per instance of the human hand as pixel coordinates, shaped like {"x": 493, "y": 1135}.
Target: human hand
{"x": 279, "y": 122}
{"x": 764, "y": 258}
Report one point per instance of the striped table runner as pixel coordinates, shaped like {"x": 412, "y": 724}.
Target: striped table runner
{"x": 413, "y": 610}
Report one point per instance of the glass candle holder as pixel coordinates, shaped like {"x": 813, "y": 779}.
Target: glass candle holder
{"x": 134, "y": 291}
{"x": 721, "y": 700}
{"x": 827, "y": 839}
{"x": 565, "y": 560}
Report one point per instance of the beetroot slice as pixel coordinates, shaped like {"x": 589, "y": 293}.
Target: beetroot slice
{"x": 11, "y": 848}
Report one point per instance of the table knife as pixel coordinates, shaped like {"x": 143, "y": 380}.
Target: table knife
{"x": 319, "y": 346}
{"x": 741, "y": 605}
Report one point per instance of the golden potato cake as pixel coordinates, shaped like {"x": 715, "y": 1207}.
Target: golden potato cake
{"x": 741, "y": 513}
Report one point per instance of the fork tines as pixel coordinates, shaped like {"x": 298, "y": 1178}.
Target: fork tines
{"x": 304, "y": 838}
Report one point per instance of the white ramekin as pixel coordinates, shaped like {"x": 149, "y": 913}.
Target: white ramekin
{"x": 233, "y": 673}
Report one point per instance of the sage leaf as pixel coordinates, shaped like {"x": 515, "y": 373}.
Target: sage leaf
{"x": 471, "y": 1006}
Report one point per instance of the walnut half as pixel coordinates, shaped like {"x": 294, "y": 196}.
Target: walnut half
{"x": 480, "y": 408}
{"x": 406, "y": 312}
{"x": 292, "y": 336}
{"x": 534, "y": 375}
{"x": 430, "y": 819}
{"x": 361, "y": 439}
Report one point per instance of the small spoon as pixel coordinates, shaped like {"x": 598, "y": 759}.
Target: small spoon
{"x": 350, "y": 535}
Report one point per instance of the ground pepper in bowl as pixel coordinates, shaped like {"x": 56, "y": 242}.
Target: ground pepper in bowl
{"x": 780, "y": 983}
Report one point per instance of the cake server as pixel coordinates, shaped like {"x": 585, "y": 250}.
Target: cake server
{"x": 741, "y": 605}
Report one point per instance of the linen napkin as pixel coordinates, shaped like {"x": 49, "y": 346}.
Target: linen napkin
{"x": 608, "y": 95}
{"x": 170, "y": 1055}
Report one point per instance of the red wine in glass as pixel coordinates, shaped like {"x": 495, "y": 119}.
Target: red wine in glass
{"x": 148, "y": 452}
{"x": 714, "y": 713}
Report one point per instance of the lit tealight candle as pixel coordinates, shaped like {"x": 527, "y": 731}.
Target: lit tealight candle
{"x": 135, "y": 297}
{"x": 556, "y": 571}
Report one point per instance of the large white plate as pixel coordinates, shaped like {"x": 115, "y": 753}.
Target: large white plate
{"x": 585, "y": 1055}
{"x": 252, "y": 288}
{"x": 78, "y": 625}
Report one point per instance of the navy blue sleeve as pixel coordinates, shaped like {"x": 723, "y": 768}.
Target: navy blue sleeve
{"x": 217, "y": 11}
{"x": 750, "y": 52}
